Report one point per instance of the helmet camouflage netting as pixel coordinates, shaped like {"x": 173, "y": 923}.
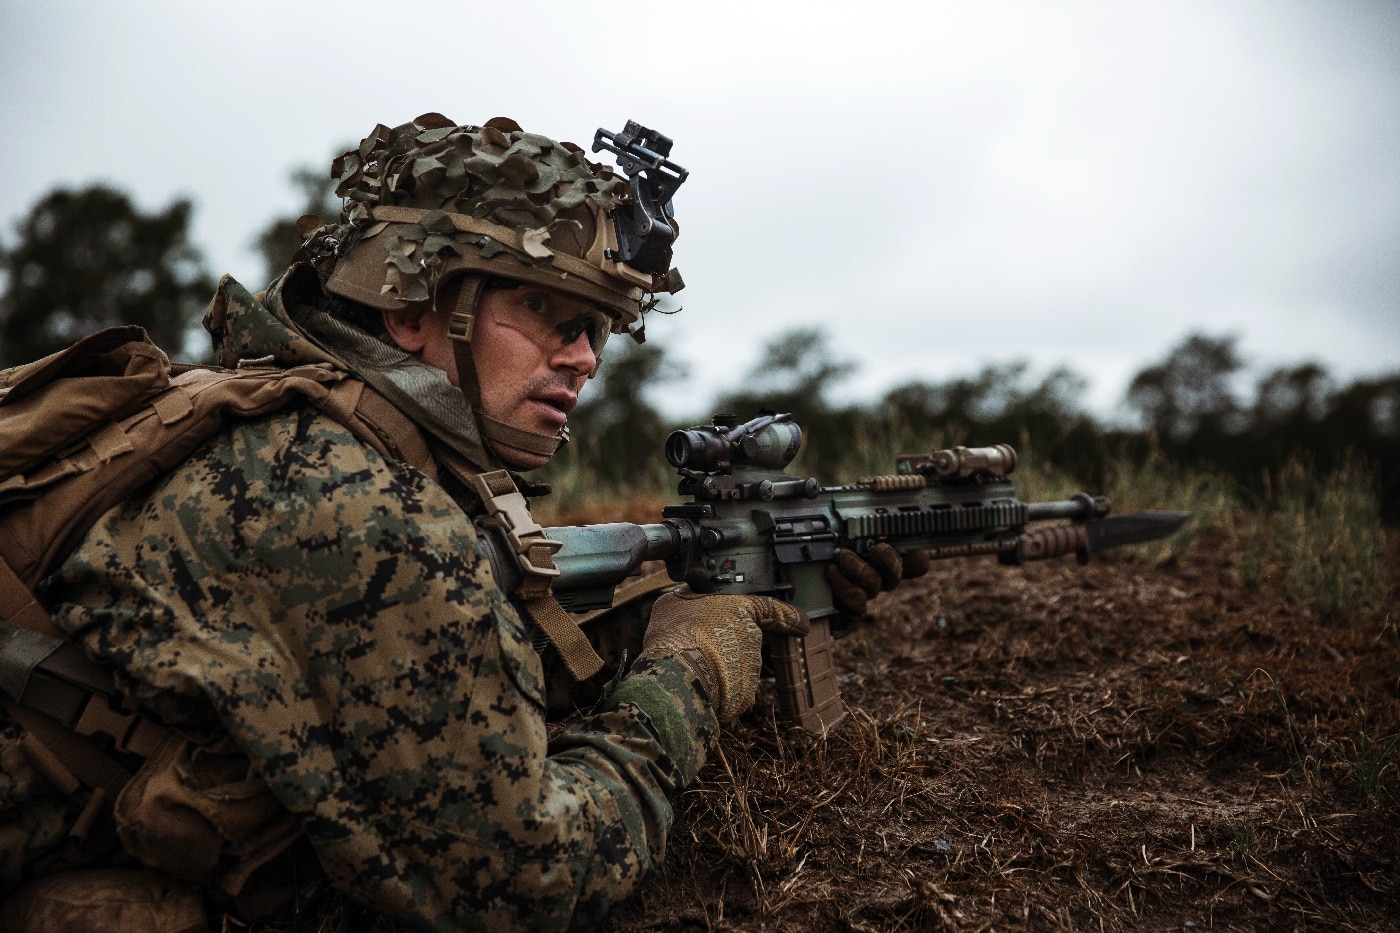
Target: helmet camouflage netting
{"x": 430, "y": 198}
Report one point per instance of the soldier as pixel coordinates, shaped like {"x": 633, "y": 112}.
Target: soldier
{"x": 353, "y": 701}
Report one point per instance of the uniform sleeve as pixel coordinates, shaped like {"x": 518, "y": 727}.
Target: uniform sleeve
{"x": 336, "y": 614}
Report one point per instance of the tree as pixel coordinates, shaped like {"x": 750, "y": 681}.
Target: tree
{"x": 279, "y": 240}
{"x": 1364, "y": 418}
{"x": 997, "y": 399}
{"x": 1188, "y": 395}
{"x": 1001, "y": 404}
{"x": 794, "y": 375}
{"x": 1294, "y": 397}
{"x": 90, "y": 259}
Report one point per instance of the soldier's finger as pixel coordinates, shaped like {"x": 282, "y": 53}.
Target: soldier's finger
{"x": 859, "y": 572}
{"x": 916, "y": 564}
{"x": 884, "y": 558}
{"x": 847, "y": 597}
{"x": 779, "y": 618}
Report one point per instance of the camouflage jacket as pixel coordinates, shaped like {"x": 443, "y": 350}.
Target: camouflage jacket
{"x": 332, "y": 611}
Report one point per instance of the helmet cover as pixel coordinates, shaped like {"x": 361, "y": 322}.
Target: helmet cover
{"x": 430, "y": 198}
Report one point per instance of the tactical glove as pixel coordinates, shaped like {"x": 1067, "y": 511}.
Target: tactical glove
{"x": 719, "y": 638}
{"x": 856, "y": 579}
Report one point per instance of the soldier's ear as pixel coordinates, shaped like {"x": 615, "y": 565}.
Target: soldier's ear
{"x": 408, "y": 327}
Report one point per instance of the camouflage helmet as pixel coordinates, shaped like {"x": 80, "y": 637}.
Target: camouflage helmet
{"x": 429, "y": 199}
{"x": 435, "y": 209}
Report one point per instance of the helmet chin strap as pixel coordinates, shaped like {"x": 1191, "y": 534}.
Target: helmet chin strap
{"x": 462, "y": 322}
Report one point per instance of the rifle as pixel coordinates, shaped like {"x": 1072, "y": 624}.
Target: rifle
{"x": 751, "y": 527}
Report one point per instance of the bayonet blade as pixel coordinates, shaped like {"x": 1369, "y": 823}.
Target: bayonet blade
{"x": 1133, "y": 528}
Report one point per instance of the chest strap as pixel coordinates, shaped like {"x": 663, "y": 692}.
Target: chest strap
{"x": 378, "y": 423}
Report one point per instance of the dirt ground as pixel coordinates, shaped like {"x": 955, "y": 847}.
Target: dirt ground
{"x": 1056, "y": 747}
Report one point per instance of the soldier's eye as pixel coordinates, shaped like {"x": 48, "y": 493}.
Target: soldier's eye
{"x": 536, "y": 303}
{"x": 571, "y": 328}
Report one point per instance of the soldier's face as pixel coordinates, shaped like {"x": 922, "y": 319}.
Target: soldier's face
{"x": 532, "y": 352}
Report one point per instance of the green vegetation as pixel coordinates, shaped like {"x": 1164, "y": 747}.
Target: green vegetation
{"x": 1318, "y": 534}
{"x": 1370, "y": 759}
{"x": 1242, "y": 837}
{"x": 1332, "y": 543}
{"x": 90, "y": 259}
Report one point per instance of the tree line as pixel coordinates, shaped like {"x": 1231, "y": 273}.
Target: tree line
{"x": 90, "y": 258}
{"x": 1187, "y": 405}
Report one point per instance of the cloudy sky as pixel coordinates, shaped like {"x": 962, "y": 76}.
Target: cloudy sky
{"x": 938, "y": 185}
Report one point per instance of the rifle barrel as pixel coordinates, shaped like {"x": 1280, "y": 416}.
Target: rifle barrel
{"x": 1080, "y": 508}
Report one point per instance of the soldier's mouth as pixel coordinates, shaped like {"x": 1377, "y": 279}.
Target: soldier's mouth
{"x": 561, "y": 402}
{"x": 554, "y": 409}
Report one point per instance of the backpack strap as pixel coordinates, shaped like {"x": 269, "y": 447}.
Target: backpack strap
{"x": 97, "y": 457}
{"x": 49, "y": 508}
{"x": 61, "y": 699}
{"x": 69, "y": 761}
{"x": 75, "y": 446}
{"x": 378, "y": 423}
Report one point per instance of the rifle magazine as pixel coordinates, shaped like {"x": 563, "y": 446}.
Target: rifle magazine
{"x": 805, "y": 669}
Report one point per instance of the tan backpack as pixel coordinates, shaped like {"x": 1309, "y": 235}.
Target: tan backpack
{"x": 81, "y": 431}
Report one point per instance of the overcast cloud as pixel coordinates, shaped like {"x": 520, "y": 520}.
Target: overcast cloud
{"x": 938, "y": 185}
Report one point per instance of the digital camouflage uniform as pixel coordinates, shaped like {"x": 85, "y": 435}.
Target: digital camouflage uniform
{"x": 333, "y": 611}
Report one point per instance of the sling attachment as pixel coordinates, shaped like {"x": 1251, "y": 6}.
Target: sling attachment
{"x": 69, "y": 762}
{"x": 50, "y": 675}
{"x": 44, "y": 671}
{"x": 46, "y": 740}
{"x": 508, "y": 512}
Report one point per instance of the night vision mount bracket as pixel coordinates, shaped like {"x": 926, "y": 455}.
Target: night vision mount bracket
{"x": 644, "y": 231}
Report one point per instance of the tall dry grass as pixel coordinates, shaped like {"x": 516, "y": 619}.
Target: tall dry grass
{"x": 1157, "y": 483}
{"x": 1319, "y": 535}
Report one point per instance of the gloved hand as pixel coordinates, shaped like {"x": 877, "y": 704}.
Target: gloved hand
{"x": 719, "y": 637}
{"x": 857, "y": 579}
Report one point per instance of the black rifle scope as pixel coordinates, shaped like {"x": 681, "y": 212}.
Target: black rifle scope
{"x": 768, "y": 441}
